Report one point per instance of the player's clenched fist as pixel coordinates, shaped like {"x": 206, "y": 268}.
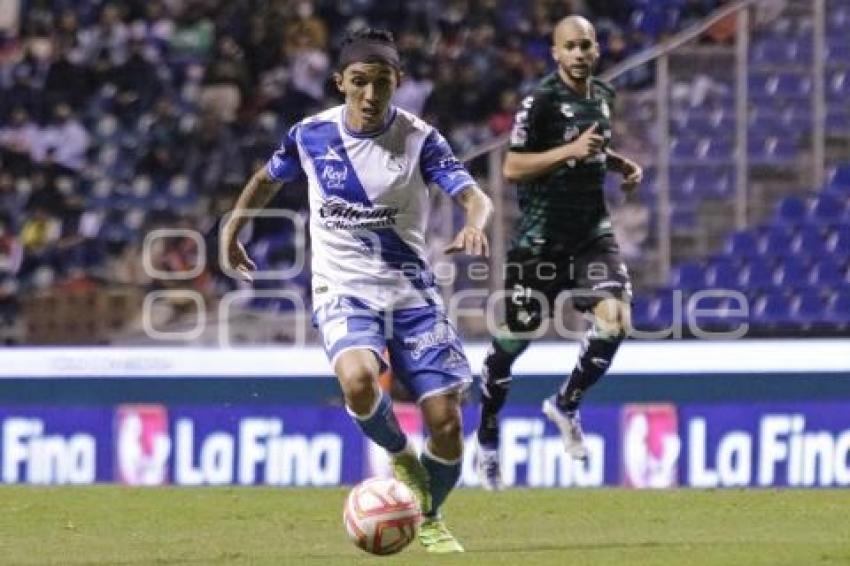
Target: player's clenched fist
{"x": 588, "y": 143}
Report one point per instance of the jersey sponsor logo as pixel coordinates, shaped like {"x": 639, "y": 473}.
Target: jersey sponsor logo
{"x": 334, "y": 176}
{"x": 442, "y": 333}
{"x": 605, "y": 109}
{"x": 339, "y": 214}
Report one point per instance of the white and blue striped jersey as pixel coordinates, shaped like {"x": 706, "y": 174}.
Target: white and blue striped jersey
{"x": 369, "y": 204}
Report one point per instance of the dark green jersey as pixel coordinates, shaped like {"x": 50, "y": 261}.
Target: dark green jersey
{"x": 567, "y": 205}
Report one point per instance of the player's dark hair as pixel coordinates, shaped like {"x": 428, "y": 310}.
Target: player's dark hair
{"x": 368, "y": 34}
{"x": 369, "y": 45}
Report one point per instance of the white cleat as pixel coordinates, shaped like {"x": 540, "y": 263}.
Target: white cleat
{"x": 570, "y": 427}
{"x": 489, "y": 469}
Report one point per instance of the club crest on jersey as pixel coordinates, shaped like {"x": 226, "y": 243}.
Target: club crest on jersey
{"x": 567, "y": 110}
{"x": 571, "y": 133}
{"x": 396, "y": 163}
{"x": 330, "y": 155}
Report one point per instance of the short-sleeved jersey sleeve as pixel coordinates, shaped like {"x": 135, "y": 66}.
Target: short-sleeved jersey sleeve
{"x": 285, "y": 163}
{"x": 526, "y": 132}
{"x": 440, "y": 166}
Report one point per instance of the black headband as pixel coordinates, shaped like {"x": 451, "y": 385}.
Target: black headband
{"x": 367, "y": 51}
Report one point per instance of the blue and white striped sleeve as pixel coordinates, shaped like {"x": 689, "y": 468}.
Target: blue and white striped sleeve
{"x": 285, "y": 163}
{"x": 440, "y": 166}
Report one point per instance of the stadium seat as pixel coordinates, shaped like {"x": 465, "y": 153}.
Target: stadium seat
{"x": 777, "y": 240}
{"x": 792, "y": 210}
{"x": 838, "y": 240}
{"x": 827, "y": 207}
{"x": 689, "y": 276}
{"x": 723, "y": 274}
{"x": 741, "y": 245}
{"x": 809, "y": 240}
{"x": 772, "y": 308}
{"x": 829, "y": 273}
{"x": 793, "y": 272}
{"x": 757, "y": 274}
{"x": 838, "y": 310}
{"x": 841, "y": 180}
{"x": 809, "y": 306}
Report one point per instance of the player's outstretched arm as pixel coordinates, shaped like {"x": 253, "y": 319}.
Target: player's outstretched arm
{"x": 632, "y": 172}
{"x": 522, "y": 166}
{"x": 257, "y": 193}
{"x": 471, "y": 237}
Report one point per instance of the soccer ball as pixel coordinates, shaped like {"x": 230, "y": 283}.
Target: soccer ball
{"x": 381, "y": 515}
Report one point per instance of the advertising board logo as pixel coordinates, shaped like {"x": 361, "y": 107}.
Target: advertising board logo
{"x": 651, "y": 446}
{"x": 142, "y": 444}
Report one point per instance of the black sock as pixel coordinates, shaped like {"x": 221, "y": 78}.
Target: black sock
{"x": 596, "y": 355}
{"x": 495, "y": 384}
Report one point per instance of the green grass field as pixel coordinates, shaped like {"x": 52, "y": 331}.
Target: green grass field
{"x": 115, "y": 526}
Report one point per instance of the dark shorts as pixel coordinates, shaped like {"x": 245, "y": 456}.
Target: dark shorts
{"x": 584, "y": 275}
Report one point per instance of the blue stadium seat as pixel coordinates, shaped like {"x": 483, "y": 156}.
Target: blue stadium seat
{"x": 841, "y": 180}
{"x": 742, "y": 245}
{"x": 757, "y": 274}
{"x": 793, "y": 272}
{"x": 809, "y": 240}
{"x": 640, "y": 312}
{"x": 688, "y": 276}
{"x": 772, "y": 149}
{"x": 838, "y": 311}
{"x": 837, "y": 120}
{"x": 777, "y": 240}
{"x": 829, "y": 273}
{"x": 827, "y": 207}
{"x": 838, "y": 85}
{"x": 772, "y": 308}
{"x": 809, "y": 306}
{"x": 723, "y": 274}
{"x": 838, "y": 241}
{"x": 792, "y": 210}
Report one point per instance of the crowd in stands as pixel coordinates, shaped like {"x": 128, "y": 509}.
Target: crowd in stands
{"x": 120, "y": 117}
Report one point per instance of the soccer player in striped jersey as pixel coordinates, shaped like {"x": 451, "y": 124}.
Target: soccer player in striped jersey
{"x": 369, "y": 167}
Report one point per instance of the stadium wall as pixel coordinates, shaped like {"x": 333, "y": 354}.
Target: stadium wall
{"x": 748, "y": 413}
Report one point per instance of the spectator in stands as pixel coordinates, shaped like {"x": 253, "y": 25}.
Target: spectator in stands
{"x": 11, "y": 251}
{"x": 63, "y": 142}
{"x": 310, "y": 65}
{"x": 16, "y": 142}
{"x": 137, "y": 82}
{"x": 110, "y": 33}
{"x": 227, "y": 81}
{"x": 66, "y": 80}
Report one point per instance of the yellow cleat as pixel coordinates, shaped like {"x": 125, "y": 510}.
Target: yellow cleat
{"x": 436, "y": 537}
{"x": 409, "y": 470}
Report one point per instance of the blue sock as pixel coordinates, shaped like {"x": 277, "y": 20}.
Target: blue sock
{"x": 443, "y": 478}
{"x": 381, "y": 425}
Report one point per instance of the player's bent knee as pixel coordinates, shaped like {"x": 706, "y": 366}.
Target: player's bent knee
{"x": 612, "y": 318}
{"x": 358, "y": 379}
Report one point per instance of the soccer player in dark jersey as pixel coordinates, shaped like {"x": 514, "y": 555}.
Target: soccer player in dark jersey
{"x": 559, "y": 154}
